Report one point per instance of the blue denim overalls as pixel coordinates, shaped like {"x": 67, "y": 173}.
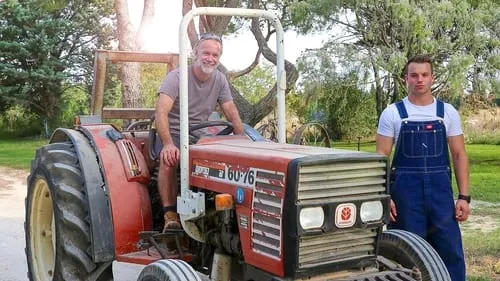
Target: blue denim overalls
{"x": 421, "y": 188}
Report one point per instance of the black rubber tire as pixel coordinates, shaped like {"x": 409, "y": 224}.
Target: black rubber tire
{"x": 411, "y": 250}
{"x": 56, "y": 185}
{"x": 168, "y": 270}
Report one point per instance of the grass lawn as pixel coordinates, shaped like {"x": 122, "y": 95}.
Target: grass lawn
{"x": 18, "y": 153}
{"x": 484, "y": 171}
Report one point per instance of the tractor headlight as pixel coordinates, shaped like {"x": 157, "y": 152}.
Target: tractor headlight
{"x": 310, "y": 218}
{"x": 371, "y": 211}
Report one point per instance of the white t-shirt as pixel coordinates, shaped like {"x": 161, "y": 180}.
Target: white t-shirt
{"x": 390, "y": 122}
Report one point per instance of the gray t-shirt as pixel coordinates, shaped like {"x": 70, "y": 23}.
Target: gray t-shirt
{"x": 203, "y": 97}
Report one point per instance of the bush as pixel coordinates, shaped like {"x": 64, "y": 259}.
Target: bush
{"x": 347, "y": 111}
{"x": 18, "y": 122}
{"x": 481, "y": 126}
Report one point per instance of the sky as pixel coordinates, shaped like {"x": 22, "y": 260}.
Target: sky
{"x": 239, "y": 51}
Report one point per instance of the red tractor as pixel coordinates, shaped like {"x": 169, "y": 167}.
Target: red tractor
{"x": 251, "y": 209}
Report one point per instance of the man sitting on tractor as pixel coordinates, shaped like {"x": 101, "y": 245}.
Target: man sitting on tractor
{"x": 207, "y": 86}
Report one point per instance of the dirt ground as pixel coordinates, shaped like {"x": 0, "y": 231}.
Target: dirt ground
{"x": 12, "y": 258}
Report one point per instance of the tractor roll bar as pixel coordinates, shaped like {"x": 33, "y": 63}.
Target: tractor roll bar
{"x": 184, "y": 49}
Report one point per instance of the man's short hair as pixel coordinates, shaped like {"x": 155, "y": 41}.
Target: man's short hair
{"x": 209, "y": 36}
{"x": 419, "y": 59}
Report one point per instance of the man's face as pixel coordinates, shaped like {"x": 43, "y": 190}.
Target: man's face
{"x": 207, "y": 55}
{"x": 419, "y": 78}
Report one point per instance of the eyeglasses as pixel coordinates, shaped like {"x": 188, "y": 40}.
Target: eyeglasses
{"x": 210, "y": 36}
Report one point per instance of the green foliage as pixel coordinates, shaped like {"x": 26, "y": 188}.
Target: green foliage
{"x": 344, "y": 109}
{"x": 336, "y": 99}
{"x": 152, "y": 76}
{"x": 17, "y": 122}
{"x": 379, "y": 36}
{"x": 256, "y": 84}
{"x": 112, "y": 87}
{"x": 74, "y": 101}
{"x": 46, "y": 44}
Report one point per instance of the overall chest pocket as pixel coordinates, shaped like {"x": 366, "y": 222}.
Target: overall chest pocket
{"x": 419, "y": 143}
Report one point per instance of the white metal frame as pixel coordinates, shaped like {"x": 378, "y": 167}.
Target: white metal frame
{"x": 191, "y": 204}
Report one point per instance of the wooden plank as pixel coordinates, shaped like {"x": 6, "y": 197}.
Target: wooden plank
{"x": 127, "y": 113}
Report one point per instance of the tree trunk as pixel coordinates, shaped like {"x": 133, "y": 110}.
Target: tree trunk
{"x": 379, "y": 91}
{"x": 129, "y": 72}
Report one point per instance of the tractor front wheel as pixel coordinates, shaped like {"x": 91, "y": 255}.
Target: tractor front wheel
{"x": 413, "y": 252}
{"x": 171, "y": 270}
{"x": 57, "y": 227}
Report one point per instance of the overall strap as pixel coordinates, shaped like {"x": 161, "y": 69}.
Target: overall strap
{"x": 402, "y": 110}
{"x": 440, "y": 109}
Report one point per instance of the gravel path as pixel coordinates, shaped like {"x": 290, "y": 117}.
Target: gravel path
{"x": 12, "y": 258}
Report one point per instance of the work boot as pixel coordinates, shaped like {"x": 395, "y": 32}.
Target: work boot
{"x": 171, "y": 221}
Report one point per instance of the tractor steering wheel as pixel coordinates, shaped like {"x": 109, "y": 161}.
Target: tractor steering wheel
{"x": 228, "y": 129}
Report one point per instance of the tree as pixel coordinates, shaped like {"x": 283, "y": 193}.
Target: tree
{"x": 379, "y": 36}
{"x": 255, "y": 85}
{"x": 344, "y": 106}
{"x": 42, "y": 46}
{"x": 131, "y": 40}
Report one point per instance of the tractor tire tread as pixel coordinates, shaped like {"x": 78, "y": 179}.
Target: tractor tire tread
{"x": 417, "y": 250}
{"x": 58, "y": 164}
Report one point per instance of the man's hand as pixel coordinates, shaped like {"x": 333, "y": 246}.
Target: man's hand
{"x": 393, "y": 214}
{"x": 462, "y": 210}
{"x": 170, "y": 155}
{"x": 233, "y": 116}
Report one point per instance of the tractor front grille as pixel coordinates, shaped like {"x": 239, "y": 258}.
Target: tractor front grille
{"x": 334, "y": 183}
{"x": 267, "y": 209}
{"x": 335, "y": 247}
{"x": 331, "y": 182}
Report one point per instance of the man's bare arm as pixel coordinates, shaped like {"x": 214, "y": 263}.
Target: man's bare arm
{"x": 461, "y": 165}
{"x": 163, "y": 107}
{"x": 169, "y": 153}
{"x": 233, "y": 116}
{"x": 384, "y": 144}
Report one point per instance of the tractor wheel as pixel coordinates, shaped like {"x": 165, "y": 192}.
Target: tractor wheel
{"x": 57, "y": 227}
{"x": 412, "y": 251}
{"x": 168, "y": 270}
{"x": 312, "y": 134}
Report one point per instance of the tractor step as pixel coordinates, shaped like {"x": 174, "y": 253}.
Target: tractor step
{"x": 150, "y": 255}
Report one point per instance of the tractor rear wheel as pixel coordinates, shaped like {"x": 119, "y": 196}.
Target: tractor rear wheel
{"x": 57, "y": 227}
{"x": 413, "y": 252}
{"x": 168, "y": 270}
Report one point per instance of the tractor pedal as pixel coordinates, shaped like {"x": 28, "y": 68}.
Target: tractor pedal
{"x": 172, "y": 239}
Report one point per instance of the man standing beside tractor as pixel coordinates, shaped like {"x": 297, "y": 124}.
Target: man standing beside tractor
{"x": 207, "y": 86}
{"x": 422, "y": 199}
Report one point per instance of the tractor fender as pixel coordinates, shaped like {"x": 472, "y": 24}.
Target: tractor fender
{"x": 102, "y": 246}
{"x": 123, "y": 197}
